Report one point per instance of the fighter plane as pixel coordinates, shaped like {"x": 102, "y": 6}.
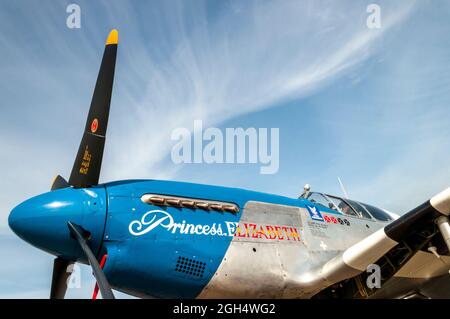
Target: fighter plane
{"x": 168, "y": 239}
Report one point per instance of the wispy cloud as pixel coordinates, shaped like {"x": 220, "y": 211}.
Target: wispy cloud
{"x": 177, "y": 62}
{"x": 247, "y": 59}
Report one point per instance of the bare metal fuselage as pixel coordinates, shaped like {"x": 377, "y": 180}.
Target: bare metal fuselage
{"x": 255, "y": 267}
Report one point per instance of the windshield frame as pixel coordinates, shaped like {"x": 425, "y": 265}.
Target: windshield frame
{"x": 356, "y": 214}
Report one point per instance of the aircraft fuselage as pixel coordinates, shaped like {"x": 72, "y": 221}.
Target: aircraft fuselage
{"x": 264, "y": 250}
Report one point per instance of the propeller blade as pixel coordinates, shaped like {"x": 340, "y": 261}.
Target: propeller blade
{"x": 88, "y": 162}
{"x": 59, "y": 278}
{"x": 80, "y": 235}
{"x": 102, "y": 264}
{"x": 59, "y": 182}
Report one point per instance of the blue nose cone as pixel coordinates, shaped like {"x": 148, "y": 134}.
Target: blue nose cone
{"x": 42, "y": 220}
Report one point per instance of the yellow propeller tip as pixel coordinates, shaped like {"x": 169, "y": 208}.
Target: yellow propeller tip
{"x": 113, "y": 37}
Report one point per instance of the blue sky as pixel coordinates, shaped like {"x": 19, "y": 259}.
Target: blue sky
{"x": 368, "y": 105}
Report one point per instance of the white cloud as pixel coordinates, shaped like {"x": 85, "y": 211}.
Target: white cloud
{"x": 249, "y": 59}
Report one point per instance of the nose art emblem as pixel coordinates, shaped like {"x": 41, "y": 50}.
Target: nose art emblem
{"x": 94, "y": 126}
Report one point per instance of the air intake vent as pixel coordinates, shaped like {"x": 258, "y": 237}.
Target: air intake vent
{"x": 190, "y": 267}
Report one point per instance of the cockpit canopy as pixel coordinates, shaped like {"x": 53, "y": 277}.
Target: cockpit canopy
{"x": 347, "y": 206}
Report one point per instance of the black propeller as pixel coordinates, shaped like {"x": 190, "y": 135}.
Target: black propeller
{"x": 81, "y": 236}
{"x": 59, "y": 279}
{"x": 87, "y": 165}
{"x": 59, "y": 182}
{"x": 86, "y": 168}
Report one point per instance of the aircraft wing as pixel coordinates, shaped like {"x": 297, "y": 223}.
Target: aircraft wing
{"x": 410, "y": 255}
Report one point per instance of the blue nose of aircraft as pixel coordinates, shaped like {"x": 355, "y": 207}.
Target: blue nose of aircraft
{"x": 42, "y": 220}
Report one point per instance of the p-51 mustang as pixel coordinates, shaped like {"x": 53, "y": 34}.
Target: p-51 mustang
{"x": 171, "y": 239}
